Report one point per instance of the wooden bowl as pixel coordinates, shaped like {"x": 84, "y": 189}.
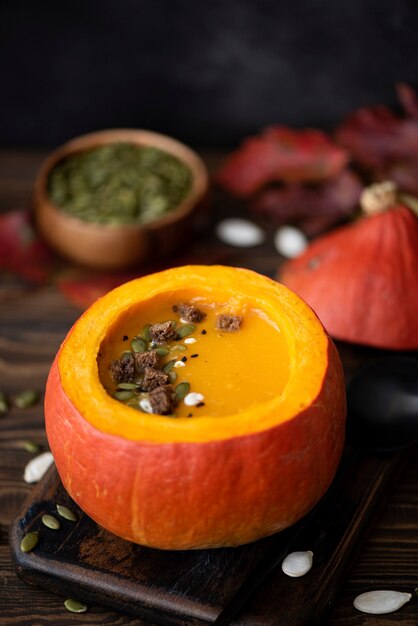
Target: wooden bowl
{"x": 105, "y": 246}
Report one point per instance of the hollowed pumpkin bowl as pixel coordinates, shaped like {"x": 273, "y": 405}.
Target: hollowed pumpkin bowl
{"x": 210, "y": 481}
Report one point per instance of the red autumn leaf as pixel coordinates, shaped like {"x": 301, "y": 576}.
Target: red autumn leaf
{"x": 403, "y": 173}
{"x": 84, "y": 289}
{"x": 281, "y": 154}
{"x": 375, "y": 136}
{"x": 22, "y": 252}
{"x": 313, "y": 209}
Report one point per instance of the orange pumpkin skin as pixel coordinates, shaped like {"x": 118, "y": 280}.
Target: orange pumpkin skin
{"x": 199, "y": 494}
{"x": 362, "y": 280}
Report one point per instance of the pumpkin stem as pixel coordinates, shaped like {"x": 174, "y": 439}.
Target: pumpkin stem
{"x": 379, "y": 197}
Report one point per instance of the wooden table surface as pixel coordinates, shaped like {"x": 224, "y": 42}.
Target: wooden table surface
{"x": 32, "y": 325}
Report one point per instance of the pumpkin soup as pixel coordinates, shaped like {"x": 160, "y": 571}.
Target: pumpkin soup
{"x": 210, "y": 358}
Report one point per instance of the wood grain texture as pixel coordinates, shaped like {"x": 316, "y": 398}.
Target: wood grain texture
{"x": 32, "y": 324}
{"x": 192, "y": 587}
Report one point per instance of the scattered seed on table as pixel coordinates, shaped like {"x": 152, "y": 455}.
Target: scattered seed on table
{"x": 26, "y": 399}
{"x": 4, "y": 407}
{"x": 29, "y": 541}
{"x": 380, "y": 602}
{"x": 240, "y": 232}
{"x": 37, "y": 467}
{"x": 75, "y": 606}
{"x": 31, "y": 446}
{"x": 297, "y": 564}
{"x": 50, "y": 522}
{"x": 66, "y": 513}
{"x": 290, "y": 241}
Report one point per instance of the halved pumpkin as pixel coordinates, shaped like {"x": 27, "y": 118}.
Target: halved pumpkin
{"x": 211, "y": 480}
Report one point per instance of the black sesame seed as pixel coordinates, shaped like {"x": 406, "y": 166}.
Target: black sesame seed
{"x": 175, "y": 308}
{"x": 193, "y": 356}
{"x": 200, "y": 404}
{"x": 190, "y": 415}
{"x": 203, "y": 332}
{"x": 184, "y": 359}
{"x": 125, "y": 337}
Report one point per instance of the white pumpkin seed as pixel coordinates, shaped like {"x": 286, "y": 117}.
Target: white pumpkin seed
{"x": 145, "y": 405}
{"x": 239, "y": 232}
{"x": 190, "y": 340}
{"x": 179, "y": 364}
{"x": 290, "y": 241}
{"x": 37, "y": 467}
{"x": 193, "y": 398}
{"x": 381, "y": 601}
{"x": 297, "y": 564}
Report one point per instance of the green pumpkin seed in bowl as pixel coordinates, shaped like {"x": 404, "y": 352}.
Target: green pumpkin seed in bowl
{"x": 119, "y": 183}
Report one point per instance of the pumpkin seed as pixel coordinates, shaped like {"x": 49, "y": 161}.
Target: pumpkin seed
{"x": 133, "y": 402}
{"x": 178, "y": 348}
{"x": 297, "y": 563}
{"x": 30, "y": 446}
{"x": 123, "y": 395}
{"x": 3, "y": 403}
{"x": 75, "y": 606}
{"x": 145, "y": 405}
{"x": 173, "y": 376}
{"x": 185, "y": 330}
{"x": 26, "y": 399}
{"x": 182, "y": 390}
{"x": 127, "y": 386}
{"x": 119, "y": 183}
{"x": 29, "y": 541}
{"x": 138, "y": 344}
{"x": 380, "y": 602}
{"x": 66, "y": 513}
{"x": 126, "y": 355}
{"x": 50, "y": 522}
{"x": 37, "y": 467}
{"x": 193, "y": 398}
{"x": 162, "y": 351}
{"x": 145, "y": 334}
{"x": 169, "y": 366}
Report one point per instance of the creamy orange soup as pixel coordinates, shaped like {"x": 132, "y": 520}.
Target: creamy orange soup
{"x": 232, "y": 370}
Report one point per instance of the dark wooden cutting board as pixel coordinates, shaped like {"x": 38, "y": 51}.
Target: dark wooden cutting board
{"x": 191, "y": 587}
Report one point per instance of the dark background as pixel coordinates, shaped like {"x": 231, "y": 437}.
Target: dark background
{"x": 205, "y": 72}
